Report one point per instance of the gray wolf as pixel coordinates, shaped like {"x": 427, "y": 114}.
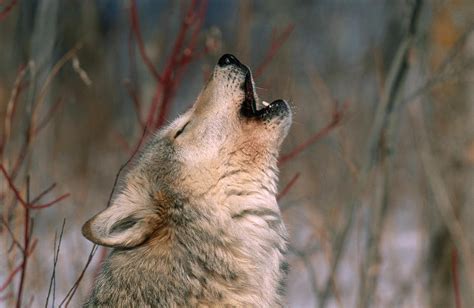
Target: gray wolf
{"x": 195, "y": 221}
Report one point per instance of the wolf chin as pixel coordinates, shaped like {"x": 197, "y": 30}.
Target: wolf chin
{"x": 195, "y": 221}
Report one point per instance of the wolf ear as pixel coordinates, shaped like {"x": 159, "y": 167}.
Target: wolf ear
{"x": 126, "y": 223}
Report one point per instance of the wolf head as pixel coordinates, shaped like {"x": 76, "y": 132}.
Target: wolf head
{"x": 220, "y": 154}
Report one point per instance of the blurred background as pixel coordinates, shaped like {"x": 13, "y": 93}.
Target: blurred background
{"x": 377, "y": 173}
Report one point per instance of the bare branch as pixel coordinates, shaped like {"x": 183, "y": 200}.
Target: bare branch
{"x": 15, "y": 241}
{"x": 7, "y": 10}
{"x": 52, "y": 281}
{"x": 23, "y": 202}
{"x": 135, "y": 26}
{"x": 443, "y": 203}
{"x": 382, "y": 122}
{"x": 275, "y": 45}
{"x": 335, "y": 121}
{"x": 454, "y": 272}
{"x": 288, "y": 186}
{"x": 11, "y": 106}
{"x": 43, "y": 193}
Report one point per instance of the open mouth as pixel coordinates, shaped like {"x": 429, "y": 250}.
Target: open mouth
{"x": 252, "y": 107}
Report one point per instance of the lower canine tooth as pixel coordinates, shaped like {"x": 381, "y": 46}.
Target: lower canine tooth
{"x": 265, "y": 103}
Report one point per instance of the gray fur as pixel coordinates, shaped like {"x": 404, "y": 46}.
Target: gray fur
{"x": 196, "y": 222}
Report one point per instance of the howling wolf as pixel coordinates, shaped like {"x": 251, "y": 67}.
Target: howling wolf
{"x": 195, "y": 221}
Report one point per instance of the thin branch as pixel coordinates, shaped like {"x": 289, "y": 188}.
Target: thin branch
{"x": 335, "y": 121}
{"x": 275, "y": 45}
{"x": 32, "y": 128}
{"x": 193, "y": 18}
{"x": 7, "y": 10}
{"x": 17, "y": 269}
{"x": 305, "y": 257}
{"x": 438, "y": 76}
{"x": 52, "y": 281}
{"x": 47, "y": 118}
{"x": 20, "y": 199}
{"x": 443, "y": 204}
{"x": 131, "y": 84}
{"x": 455, "y": 277}
{"x": 73, "y": 289}
{"x": 135, "y": 26}
{"x": 48, "y": 204}
{"x": 69, "y": 55}
{"x": 20, "y": 157}
{"x": 76, "y": 66}
{"x": 10, "y": 277}
{"x": 182, "y": 60}
{"x": 11, "y": 106}
{"x": 43, "y": 193}
{"x": 26, "y": 243}
{"x": 12, "y": 186}
{"x": 288, "y": 186}
{"x": 9, "y": 230}
{"x": 383, "y": 118}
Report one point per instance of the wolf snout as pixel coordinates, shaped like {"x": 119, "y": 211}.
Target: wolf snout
{"x": 228, "y": 59}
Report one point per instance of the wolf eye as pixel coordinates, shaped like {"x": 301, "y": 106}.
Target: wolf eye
{"x": 179, "y": 132}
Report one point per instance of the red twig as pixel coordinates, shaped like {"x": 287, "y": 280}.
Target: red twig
{"x": 12, "y": 186}
{"x": 22, "y": 201}
{"x": 153, "y": 107}
{"x": 335, "y": 121}
{"x": 180, "y": 56}
{"x": 31, "y": 133}
{"x": 17, "y": 269}
{"x": 7, "y": 10}
{"x": 188, "y": 54}
{"x": 10, "y": 277}
{"x": 48, "y": 204}
{"x": 27, "y": 232}
{"x": 11, "y": 107}
{"x": 288, "y": 186}
{"x": 455, "y": 277}
{"x": 29, "y": 243}
{"x": 275, "y": 45}
{"x": 135, "y": 24}
{"x": 21, "y": 156}
{"x": 193, "y": 18}
{"x": 43, "y": 193}
{"x": 47, "y": 118}
{"x": 12, "y": 235}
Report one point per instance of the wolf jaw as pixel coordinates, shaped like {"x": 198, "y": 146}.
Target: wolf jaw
{"x": 196, "y": 221}
{"x": 252, "y": 106}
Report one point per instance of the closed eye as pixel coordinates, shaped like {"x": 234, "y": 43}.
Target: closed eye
{"x": 179, "y": 132}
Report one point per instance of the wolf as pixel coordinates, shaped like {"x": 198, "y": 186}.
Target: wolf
{"x": 195, "y": 221}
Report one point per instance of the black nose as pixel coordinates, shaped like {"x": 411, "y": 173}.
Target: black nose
{"x": 228, "y": 59}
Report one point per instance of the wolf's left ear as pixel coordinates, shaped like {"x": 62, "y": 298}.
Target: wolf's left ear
{"x": 126, "y": 223}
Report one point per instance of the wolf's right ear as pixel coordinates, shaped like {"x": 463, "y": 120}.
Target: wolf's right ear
{"x": 128, "y": 222}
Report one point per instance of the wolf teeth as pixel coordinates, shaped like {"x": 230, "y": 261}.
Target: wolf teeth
{"x": 265, "y": 103}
